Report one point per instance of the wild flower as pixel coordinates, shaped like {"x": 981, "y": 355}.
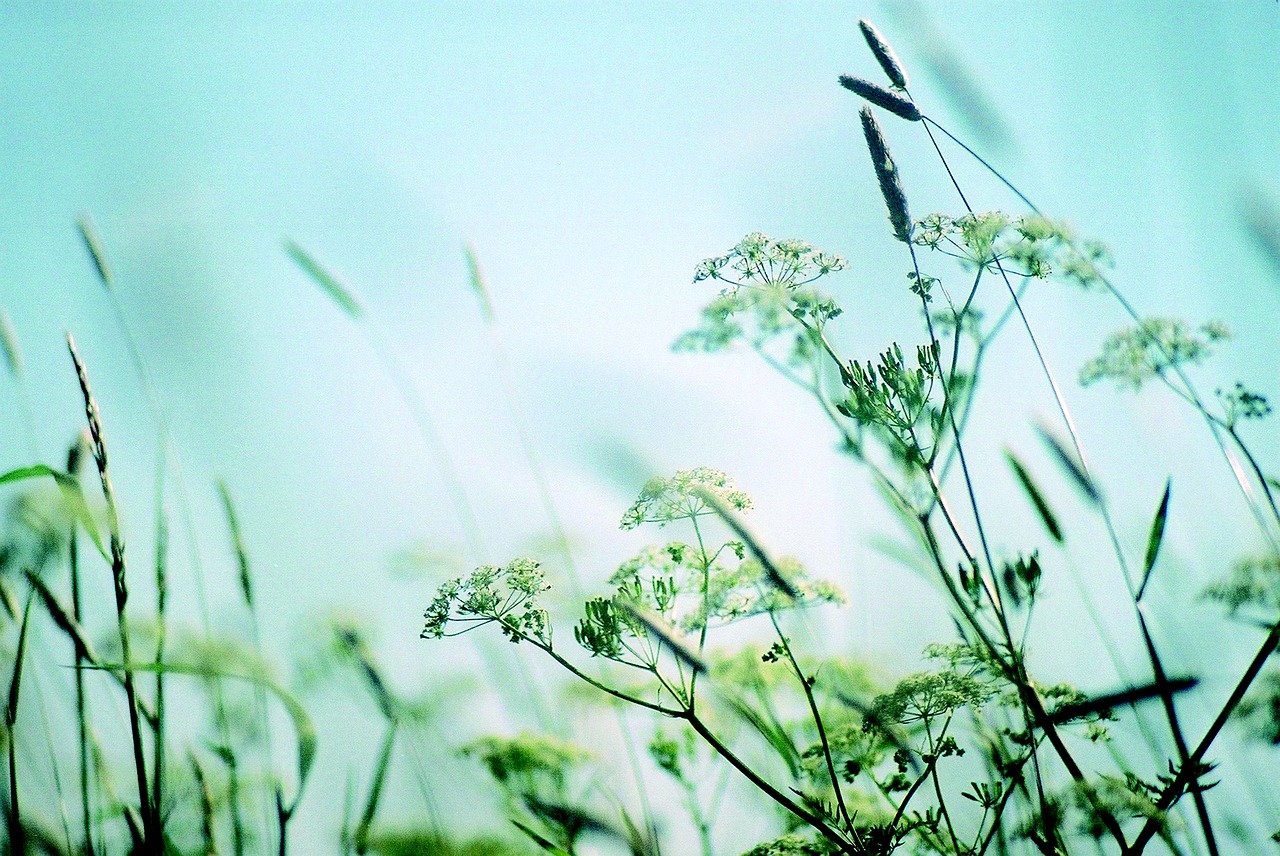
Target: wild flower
{"x": 1132, "y": 356}
{"x": 506, "y": 595}
{"x": 663, "y": 500}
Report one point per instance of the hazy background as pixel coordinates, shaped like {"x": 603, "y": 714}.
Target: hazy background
{"x": 593, "y": 154}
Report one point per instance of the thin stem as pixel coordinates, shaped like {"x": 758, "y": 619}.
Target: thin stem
{"x": 807, "y": 686}
{"x": 773, "y": 793}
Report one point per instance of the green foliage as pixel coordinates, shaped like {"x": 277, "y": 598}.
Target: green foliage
{"x": 792, "y": 845}
{"x": 527, "y": 761}
{"x": 927, "y": 696}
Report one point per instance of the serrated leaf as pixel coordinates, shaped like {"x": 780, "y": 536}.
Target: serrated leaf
{"x": 1036, "y": 496}
{"x": 1155, "y": 538}
{"x": 328, "y": 283}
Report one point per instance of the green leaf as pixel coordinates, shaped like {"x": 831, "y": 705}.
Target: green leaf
{"x": 9, "y": 344}
{"x": 1155, "y": 538}
{"x": 361, "y": 837}
{"x": 1073, "y": 466}
{"x": 331, "y": 285}
{"x": 1036, "y": 496}
{"x": 72, "y": 495}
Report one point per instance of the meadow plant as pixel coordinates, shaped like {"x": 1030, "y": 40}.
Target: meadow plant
{"x": 706, "y": 634}
{"x": 858, "y": 772}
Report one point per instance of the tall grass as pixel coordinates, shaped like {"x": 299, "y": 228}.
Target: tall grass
{"x": 700, "y": 647}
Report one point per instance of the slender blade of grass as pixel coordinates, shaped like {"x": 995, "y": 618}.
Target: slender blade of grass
{"x": 1070, "y": 463}
{"x": 1124, "y": 697}
{"x": 361, "y": 836}
{"x": 9, "y": 343}
{"x": 734, "y": 522}
{"x": 1155, "y": 539}
{"x": 328, "y": 283}
{"x": 1033, "y": 492}
{"x": 72, "y": 495}
{"x": 206, "y": 807}
{"x": 17, "y": 839}
{"x": 97, "y": 252}
{"x": 64, "y": 620}
{"x": 478, "y": 284}
{"x": 539, "y": 839}
{"x": 666, "y": 634}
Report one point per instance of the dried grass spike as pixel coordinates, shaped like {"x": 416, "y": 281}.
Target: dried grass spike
{"x": 887, "y": 174}
{"x": 881, "y": 97}
{"x": 884, "y": 54}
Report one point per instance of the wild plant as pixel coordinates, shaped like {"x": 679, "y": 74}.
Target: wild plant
{"x": 858, "y": 773}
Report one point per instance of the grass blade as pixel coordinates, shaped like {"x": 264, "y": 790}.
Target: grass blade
{"x": 734, "y": 522}
{"x": 361, "y": 836}
{"x": 478, "y": 285}
{"x": 539, "y": 839}
{"x": 17, "y": 839}
{"x": 206, "y": 807}
{"x": 72, "y": 495}
{"x": 329, "y": 283}
{"x": 97, "y": 252}
{"x": 303, "y": 727}
{"x": 665, "y": 633}
{"x": 1036, "y": 496}
{"x": 1155, "y": 539}
{"x": 1070, "y": 463}
{"x": 1068, "y": 712}
{"x": 9, "y": 343}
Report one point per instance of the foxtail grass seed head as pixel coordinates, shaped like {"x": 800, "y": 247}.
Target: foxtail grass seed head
{"x": 884, "y": 54}
{"x": 881, "y": 97}
{"x": 887, "y": 174}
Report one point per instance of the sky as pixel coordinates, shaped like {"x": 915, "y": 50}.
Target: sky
{"x": 591, "y": 154}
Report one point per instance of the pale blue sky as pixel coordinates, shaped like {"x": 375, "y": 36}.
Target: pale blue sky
{"x": 593, "y": 153}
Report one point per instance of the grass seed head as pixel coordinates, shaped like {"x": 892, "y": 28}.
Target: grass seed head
{"x": 887, "y": 174}
{"x": 881, "y": 97}
{"x": 884, "y": 54}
